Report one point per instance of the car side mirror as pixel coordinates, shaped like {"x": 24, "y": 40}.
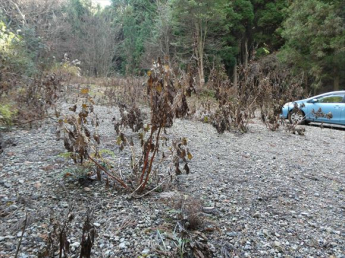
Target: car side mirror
{"x": 314, "y": 100}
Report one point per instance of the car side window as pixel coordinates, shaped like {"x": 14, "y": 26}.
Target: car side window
{"x": 331, "y": 99}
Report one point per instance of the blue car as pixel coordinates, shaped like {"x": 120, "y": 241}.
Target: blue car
{"x": 325, "y": 108}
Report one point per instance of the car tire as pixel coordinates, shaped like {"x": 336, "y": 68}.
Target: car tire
{"x": 297, "y": 116}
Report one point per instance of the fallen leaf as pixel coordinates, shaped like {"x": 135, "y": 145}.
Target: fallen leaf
{"x": 84, "y": 91}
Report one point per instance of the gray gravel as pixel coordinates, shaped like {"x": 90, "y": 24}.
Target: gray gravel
{"x": 274, "y": 194}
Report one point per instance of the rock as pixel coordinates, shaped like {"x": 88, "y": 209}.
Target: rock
{"x": 278, "y": 246}
{"x": 12, "y": 208}
{"x": 10, "y": 245}
{"x": 257, "y": 215}
{"x": 209, "y": 210}
{"x": 64, "y": 204}
{"x": 333, "y": 244}
{"x": 19, "y": 234}
{"x": 306, "y": 214}
{"x": 247, "y": 247}
{"x": 329, "y": 229}
{"x": 168, "y": 195}
{"x": 109, "y": 253}
{"x": 7, "y": 185}
{"x": 146, "y": 251}
{"x": 232, "y": 234}
{"x": 75, "y": 244}
{"x": 122, "y": 245}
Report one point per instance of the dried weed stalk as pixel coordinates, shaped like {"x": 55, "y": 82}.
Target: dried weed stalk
{"x": 187, "y": 237}
{"x": 57, "y": 239}
{"x": 167, "y": 101}
{"x": 129, "y": 90}
{"x": 88, "y": 238}
{"x": 278, "y": 85}
{"x": 79, "y": 139}
{"x": 236, "y": 103}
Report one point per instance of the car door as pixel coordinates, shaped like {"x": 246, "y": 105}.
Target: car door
{"x": 342, "y": 111}
{"x": 332, "y": 103}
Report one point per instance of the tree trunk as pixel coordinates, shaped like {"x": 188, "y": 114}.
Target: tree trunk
{"x": 246, "y": 55}
{"x": 235, "y": 75}
{"x": 199, "y": 51}
{"x": 201, "y": 70}
{"x": 336, "y": 79}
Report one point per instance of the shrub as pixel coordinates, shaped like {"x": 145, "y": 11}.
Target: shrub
{"x": 14, "y": 57}
{"x": 67, "y": 68}
{"x": 7, "y": 113}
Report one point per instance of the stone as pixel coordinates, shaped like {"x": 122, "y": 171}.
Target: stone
{"x": 19, "y": 234}
{"x": 145, "y": 251}
{"x": 12, "y": 208}
{"x": 278, "y": 246}
{"x": 109, "y": 253}
{"x": 75, "y": 244}
{"x": 64, "y": 204}
{"x": 231, "y": 234}
{"x": 306, "y": 214}
{"x": 257, "y": 215}
{"x": 247, "y": 247}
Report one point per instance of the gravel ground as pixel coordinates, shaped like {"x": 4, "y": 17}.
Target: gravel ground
{"x": 266, "y": 194}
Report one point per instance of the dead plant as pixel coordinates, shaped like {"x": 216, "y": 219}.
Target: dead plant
{"x": 278, "y": 85}
{"x": 57, "y": 239}
{"x": 79, "y": 139}
{"x": 88, "y": 237}
{"x": 167, "y": 100}
{"x": 236, "y": 103}
{"x": 187, "y": 237}
{"x": 30, "y": 98}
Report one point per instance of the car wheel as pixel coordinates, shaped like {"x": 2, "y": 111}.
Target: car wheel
{"x": 297, "y": 117}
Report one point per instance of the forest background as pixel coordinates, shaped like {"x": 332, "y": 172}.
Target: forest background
{"x": 123, "y": 38}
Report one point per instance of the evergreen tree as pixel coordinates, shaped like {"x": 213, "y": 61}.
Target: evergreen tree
{"x": 195, "y": 27}
{"x": 315, "y": 40}
{"x": 136, "y": 18}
